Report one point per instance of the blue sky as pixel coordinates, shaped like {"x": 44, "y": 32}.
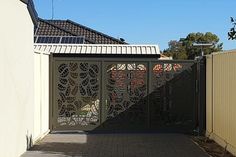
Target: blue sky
{"x": 146, "y": 21}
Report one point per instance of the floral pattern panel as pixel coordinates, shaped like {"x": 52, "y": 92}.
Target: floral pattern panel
{"x": 77, "y": 94}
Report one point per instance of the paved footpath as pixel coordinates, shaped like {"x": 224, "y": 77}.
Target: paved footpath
{"x": 116, "y": 145}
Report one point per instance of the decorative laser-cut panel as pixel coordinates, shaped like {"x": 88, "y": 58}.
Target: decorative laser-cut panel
{"x": 77, "y": 94}
{"x": 172, "y": 95}
{"x": 126, "y": 88}
{"x": 106, "y": 95}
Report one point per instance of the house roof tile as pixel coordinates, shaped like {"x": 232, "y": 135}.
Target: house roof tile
{"x": 70, "y": 28}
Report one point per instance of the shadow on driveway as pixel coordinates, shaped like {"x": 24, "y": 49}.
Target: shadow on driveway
{"x": 115, "y": 145}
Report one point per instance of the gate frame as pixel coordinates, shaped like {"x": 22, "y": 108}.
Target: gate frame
{"x": 116, "y": 58}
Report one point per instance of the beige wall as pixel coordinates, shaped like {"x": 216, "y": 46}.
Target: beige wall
{"x": 41, "y": 109}
{"x": 24, "y": 108}
{"x": 221, "y": 99}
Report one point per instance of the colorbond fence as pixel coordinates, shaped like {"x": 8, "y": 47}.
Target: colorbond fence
{"x": 221, "y": 99}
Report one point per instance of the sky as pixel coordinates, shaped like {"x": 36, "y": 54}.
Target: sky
{"x": 146, "y": 21}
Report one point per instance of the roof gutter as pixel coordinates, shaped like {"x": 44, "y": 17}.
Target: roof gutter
{"x": 99, "y": 50}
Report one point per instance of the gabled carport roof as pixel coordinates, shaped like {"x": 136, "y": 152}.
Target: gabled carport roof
{"x": 94, "y": 49}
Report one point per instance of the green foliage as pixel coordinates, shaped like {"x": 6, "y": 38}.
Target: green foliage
{"x": 232, "y": 32}
{"x": 176, "y": 50}
{"x": 184, "y": 49}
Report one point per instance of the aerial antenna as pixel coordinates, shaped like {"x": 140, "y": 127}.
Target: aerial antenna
{"x": 52, "y": 9}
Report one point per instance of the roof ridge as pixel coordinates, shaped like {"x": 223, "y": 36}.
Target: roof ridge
{"x": 90, "y": 29}
{"x": 58, "y": 20}
{"x": 73, "y": 34}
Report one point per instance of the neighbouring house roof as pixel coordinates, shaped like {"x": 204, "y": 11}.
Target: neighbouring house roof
{"x": 164, "y": 57}
{"x": 98, "y": 49}
{"x": 70, "y": 28}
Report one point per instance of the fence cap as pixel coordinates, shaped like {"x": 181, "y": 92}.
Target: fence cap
{"x": 221, "y": 52}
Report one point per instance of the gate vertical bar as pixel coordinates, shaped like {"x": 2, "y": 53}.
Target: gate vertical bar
{"x": 102, "y": 93}
{"x": 149, "y": 89}
{"x": 101, "y": 103}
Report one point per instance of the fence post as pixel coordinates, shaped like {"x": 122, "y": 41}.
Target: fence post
{"x": 201, "y": 95}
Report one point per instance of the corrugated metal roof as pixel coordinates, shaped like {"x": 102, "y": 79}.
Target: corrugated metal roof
{"x": 97, "y": 49}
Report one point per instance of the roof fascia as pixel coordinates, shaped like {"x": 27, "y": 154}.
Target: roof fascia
{"x": 24, "y": 1}
{"x": 32, "y": 11}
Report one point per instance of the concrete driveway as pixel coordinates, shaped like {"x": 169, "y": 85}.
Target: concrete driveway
{"x": 116, "y": 145}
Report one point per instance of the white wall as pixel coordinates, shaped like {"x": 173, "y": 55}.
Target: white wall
{"x": 41, "y": 110}
{"x": 18, "y": 95}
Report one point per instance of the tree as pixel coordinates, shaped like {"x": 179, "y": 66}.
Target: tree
{"x": 208, "y": 37}
{"x": 184, "y": 49}
{"x": 232, "y": 32}
{"x": 176, "y": 50}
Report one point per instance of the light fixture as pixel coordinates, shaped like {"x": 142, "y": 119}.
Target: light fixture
{"x": 202, "y": 45}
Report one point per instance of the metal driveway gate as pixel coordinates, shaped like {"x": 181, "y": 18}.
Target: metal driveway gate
{"x": 104, "y": 94}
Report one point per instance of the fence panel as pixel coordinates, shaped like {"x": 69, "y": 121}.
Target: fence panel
{"x": 221, "y": 106}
